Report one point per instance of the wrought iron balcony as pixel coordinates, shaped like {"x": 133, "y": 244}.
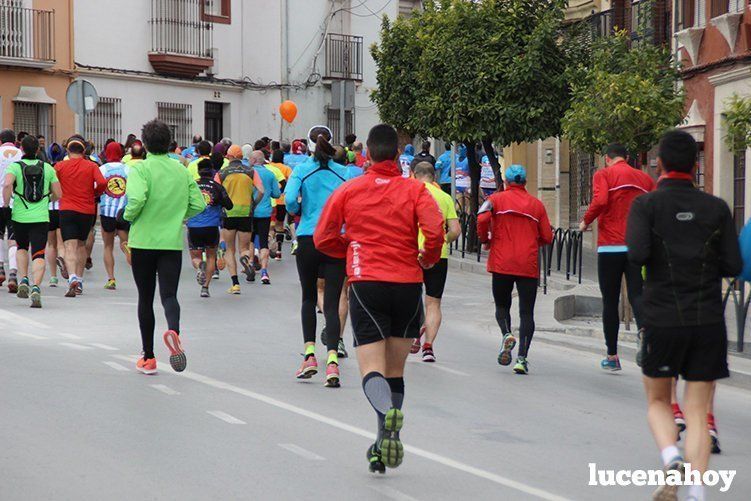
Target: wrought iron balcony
{"x": 27, "y": 37}
{"x": 344, "y": 57}
{"x": 180, "y": 39}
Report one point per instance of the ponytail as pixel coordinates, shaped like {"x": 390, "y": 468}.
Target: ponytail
{"x": 324, "y": 151}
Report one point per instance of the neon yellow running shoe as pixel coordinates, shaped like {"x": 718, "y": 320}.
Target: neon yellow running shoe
{"x": 110, "y": 285}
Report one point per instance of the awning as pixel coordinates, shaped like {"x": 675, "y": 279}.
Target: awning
{"x": 28, "y": 94}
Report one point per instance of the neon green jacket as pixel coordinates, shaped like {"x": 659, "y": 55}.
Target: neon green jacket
{"x": 161, "y": 195}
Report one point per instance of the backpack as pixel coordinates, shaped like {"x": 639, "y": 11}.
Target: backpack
{"x": 33, "y": 183}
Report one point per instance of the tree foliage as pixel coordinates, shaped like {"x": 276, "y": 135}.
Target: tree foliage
{"x": 738, "y": 123}
{"x": 625, "y": 93}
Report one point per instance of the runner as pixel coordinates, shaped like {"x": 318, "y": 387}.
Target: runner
{"x": 9, "y": 154}
{"x": 245, "y": 189}
{"x": 405, "y": 160}
{"x": 380, "y": 212}
{"x": 423, "y": 156}
{"x": 203, "y": 229}
{"x": 156, "y": 238}
{"x": 308, "y": 188}
{"x": 31, "y": 184}
{"x": 81, "y": 182}
{"x": 55, "y": 251}
{"x": 113, "y": 199}
{"x": 282, "y": 173}
{"x": 262, "y": 212}
{"x": 614, "y": 189}
{"x": 203, "y": 149}
{"x": 687, "y": 241}
{"x": 435, "y": 278}
{"x": 189, "y": 153}
{"x": 298, "y": 155}
{"x": 443, "y": 169}
{"x": 513, "y": 225}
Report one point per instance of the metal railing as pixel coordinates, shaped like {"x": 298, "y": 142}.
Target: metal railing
{"x": 27, "y": 33}
{"x": 602, "y": 23}
{"x": 736, "y": 288}
{"x": 344, "y": 57}
{"x": 177, "y": 28}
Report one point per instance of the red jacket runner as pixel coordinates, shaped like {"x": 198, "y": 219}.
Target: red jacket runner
{"x": 380, "y": 212}
{"x": 516, "y": 225}
{"x": 614, "y": 189}
{"x": 78, "y": 177}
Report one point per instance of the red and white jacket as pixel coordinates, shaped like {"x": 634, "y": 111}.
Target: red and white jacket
{"x": 372, "y": 220}
{"x": 614, "y": 189}
{"x": 516, "y": 224}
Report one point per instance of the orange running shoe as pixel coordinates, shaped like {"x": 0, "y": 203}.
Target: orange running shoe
{"x": 145, "y": 366}
{"x": 177, "y": 358}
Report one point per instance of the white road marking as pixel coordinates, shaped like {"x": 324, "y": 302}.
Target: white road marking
{"x": 21, "y": 320}
{"x": 116, "y": 366}
{"x": 392, "y": 493}
{"x": 74, "y": 346}
{"x": 296, "y": 449}
{"x": 127, "y": 358}
{"x": 68, "y": 336}
{"x": 437, "y": 367}
{"x": 27, "y": 334}
{"x": 103, "y": 346}
{"x": 226, "y": 417}
{"x": 165, "y": 389}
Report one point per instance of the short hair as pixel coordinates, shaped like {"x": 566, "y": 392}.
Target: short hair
{"x": 7, "y": 136}
{"x": 426, "y": 146}
{"x": 205, "y": 167}
{"x": 277, "y": 156}
{"x": 357, "y": 146}
{"x": 173, "y": 147}
{"x": 275, "y": 145}
{"x": 286, "y": 147}
{"x": 21, "y": 135}
{"x": 259, "y": 144}
{"x": 197, "y": 139}
{"x": 76, "y": 146}
{"x": 340, "y": 155}
{"x": 30, "y": 145}
{"x": 677, "y": 151}
{"x": 350, "y": 138}
{"x": 204, "y": 148}
{"x": 137, "y": 151}
{"x": 40, "y": 136}
{"x": 383, "y": 143}
{"x": 425, "y": 169}
{"x": 156, "y": 137}
{"x": 615, "y": 150}
{"x": 447, "y": 146}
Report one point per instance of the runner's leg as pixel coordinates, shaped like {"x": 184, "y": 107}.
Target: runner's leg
{"x": 527, "y": 289}
{"x": 144, "y": 273}
{"x": 108, "y": 254}
{"x": 168, "y": 269}
{"x": 229, "y": 237}
{"x": 610, "y": 268}
{"x": 696, "y": 399}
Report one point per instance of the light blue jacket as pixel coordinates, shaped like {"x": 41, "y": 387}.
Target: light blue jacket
{"x": 313, "y": 184}
{"x": 270, "y": 190}
{"x": 443, "y": 168}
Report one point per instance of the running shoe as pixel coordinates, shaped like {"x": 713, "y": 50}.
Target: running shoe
{"x": 2, "y": 275}
{"x": 72, "y": 286}
{"x": 54, "y": 281}
{"x": 23, "y": 289}
{"x": 215, "y": 276}
{"x": 392, "y": 450}
{"x": 111, "y": 284}
{"x": 611, "y": 364}
{"x": 341, "y": 350}
{"x": 680, "y": 420}
{"x": 278, "y": 257}
{"x": 250, "y": 273}
{"x": 147, "y": 367}
{"x": 324, "y": 338}
{"x": 220, "y": 262}
{"x": 205, "y": 292}
{"x": 715, "y": 440}
{"x": 415, "y": 348}
{"x": 177, "y": 358}
{"x": 201, "y": 273}
{"x": 309, "y": 368}
{"x": 89, "y": 263}
{"x": 522, "y": 366}
{"x": 374, "y": 460}
{"x": 36, "y": 297}
{"x": 639, "y": 341}
{"x": 670, "y": 492}
{"x": 256, "y": 262}
{"x": 79, "y": 289}
{"x": 12, "y": 283}
{"x": 427, "y": 353}
{"x": 293, "y": 251}
{"x": 332, "y": 376}
{"x": 507, "y": 345}
{"x": 235, "y": 289}
{"x": 63, "y": 269}
{"x": 265, "y": 280}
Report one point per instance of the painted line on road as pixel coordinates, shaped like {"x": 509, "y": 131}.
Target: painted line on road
{"x": 116, "y": 366}
{"x": 21, "y": 320}
{"x": 437, "y": 367}
{"x": 74, "y": 346}
{"x": 392, "y": 493}
{"x": 165, "y": 389}
{"x": 437, "y": 458}
{"x": 305, "y": 453}
{"x": 68, "y": 336}
{"x": 27, "y": 335}
{"x": 226, "y": 417}
{"x": 104, "y": 346}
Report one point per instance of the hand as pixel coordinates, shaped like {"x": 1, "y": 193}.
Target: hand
{"x": 420, "y": 258}
{"x": 486, "y": 246}
{"x": 583, "y": 226}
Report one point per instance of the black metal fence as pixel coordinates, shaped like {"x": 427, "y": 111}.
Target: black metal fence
{"x": 344, "y": 57}
{"x": 736, "y": 288}
{"x": 27, "y": 33}
{"x": 177, "y": 27}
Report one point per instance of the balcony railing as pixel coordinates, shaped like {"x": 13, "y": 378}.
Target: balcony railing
{"x": 27, "y": 36}
{"x": 602, "y": 23}
{"x": 344, "y": 58}
{"x": 181, "y": 42}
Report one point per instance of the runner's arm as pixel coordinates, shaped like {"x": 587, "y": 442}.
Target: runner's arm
{"x": 455, "y": 229}
{"x": 544, "y": 229}
{"x": 430, "y": 220}
{"x": 226, "y": 201}
{"x": 56, "y": 191}
{"x": 101, "y": 183}
{"x": 276, "y": 192}
{"x": 259, "y": 189}
{"x": 137, "y": 191}
{"x": 10, "y": 180}
{"x": 328, "y": 236}
{"x": 196, "y": 202}
{"x": 292, "y": 193}
{"x": 484, "y": 217}
{"x": 599, "y": 197}
{"x": 638, "y": 233}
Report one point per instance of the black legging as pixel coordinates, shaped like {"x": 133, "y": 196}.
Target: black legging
{"x": 308, "y": 262}
{"x": 611, "y": 266}
{"x": 147, "y": 264}
{"x": 503, "y": 286}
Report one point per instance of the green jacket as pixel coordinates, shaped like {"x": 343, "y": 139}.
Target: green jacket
{"x": 161, "y": 195}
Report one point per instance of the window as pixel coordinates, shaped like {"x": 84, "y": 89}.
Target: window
{"x": 217, "y": 11}
{"x": 26, "y": 33}
{"x": 407, "y": 6}
{"x": 685, "y": 14}
{"x": 737, "y": 5}
{"x": 35, "y": 118}
{"x": 177, "y": 27}
{"x": 700, "y": 13}
{"x": 105, "y": 122}
{"x": 739, "y": 190}
{"x": 719, "y": 7}
{"x": 179, "y": 118}
{"x": 700, "y": 168}
{"x": 581, "y": 170}
{"x": 344, "y": 59}
{"x": 333, "y": 122}
{"x": 642, "y": 20}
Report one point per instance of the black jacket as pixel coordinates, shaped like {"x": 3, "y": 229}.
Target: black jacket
{"x": 687, "y": 240}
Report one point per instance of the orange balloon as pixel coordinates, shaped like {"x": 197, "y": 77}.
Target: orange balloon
{"x": 288, "y": 110}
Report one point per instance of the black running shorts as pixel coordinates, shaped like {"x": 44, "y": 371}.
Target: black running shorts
{"x": 111, "y": 224}
{"x": 698, "y": 353}
{"x": 243, "y": 224}
{"x": 54, "y": 220}
{"x": 380, "y": 310}
{"x": 435, "y": 279}
{"x": 261, "y": 227}
{"x": 6, "y": 224}
{"x": 33, "y": 235}
{"x": 75, "y": 225}
{"x": 203, "y": 238}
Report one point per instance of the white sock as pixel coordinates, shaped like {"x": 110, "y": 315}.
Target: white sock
{"x": 669, "y": 453}
{"x": 696, "y": 492}
{"x": 3, "y": 251}
{"x": 12, "y": 258}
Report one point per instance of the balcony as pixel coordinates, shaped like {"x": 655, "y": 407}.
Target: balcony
{"x": 344, "y": 59}
{"x": 27, "y": 37}
{"x": 180, "y": 39}
{"x": 602, "y": 23}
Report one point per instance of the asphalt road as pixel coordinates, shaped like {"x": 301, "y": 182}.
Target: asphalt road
{"x": 78, "y": 422}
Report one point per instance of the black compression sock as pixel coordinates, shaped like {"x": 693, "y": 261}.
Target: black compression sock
{"x": 235, "y": 281}
{"x": 397, "y": 391}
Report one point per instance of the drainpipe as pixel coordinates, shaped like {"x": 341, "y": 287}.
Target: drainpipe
{"x": 285, "y": 56}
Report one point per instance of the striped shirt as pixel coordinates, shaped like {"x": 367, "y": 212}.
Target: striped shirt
{"x": 113, "y": 199}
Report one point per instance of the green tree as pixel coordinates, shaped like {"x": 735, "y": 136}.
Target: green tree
{"x": 626, "y": 94}
{"x": 738, "y": 123}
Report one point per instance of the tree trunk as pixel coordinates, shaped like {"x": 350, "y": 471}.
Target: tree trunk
{"x": 487, "y": 144}
{"x": 474, "y": 200}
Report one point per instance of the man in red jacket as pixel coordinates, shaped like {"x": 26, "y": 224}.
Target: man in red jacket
{"x": 373, "y": 221}
{"x": 82, "y": 182}
{"x": 614, "y": 189}
{"x": 514, "y": 224}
